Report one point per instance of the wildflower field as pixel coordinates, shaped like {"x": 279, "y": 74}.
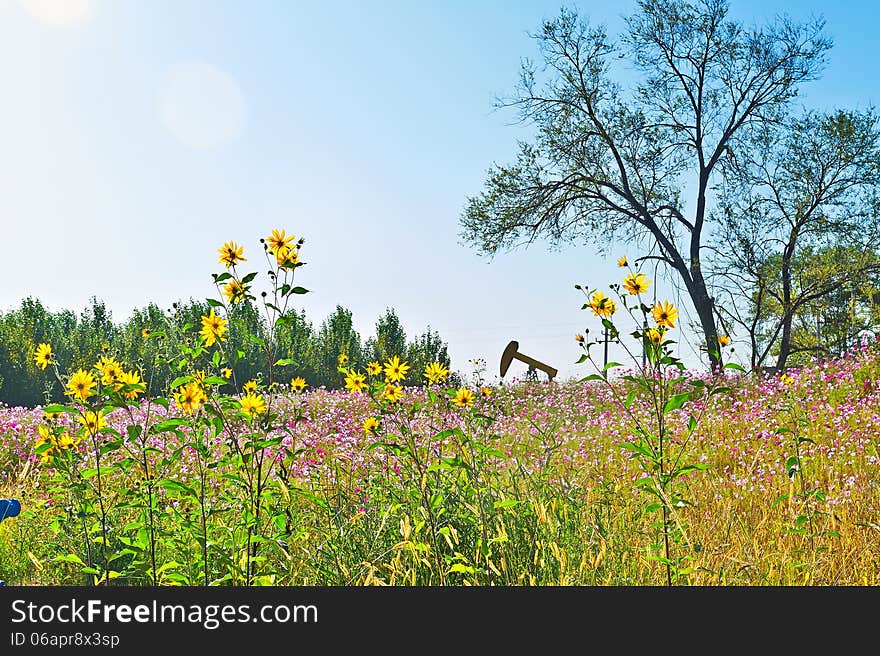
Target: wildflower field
{"x": 635, "y": 475}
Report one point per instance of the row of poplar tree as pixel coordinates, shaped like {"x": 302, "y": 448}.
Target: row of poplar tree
{"x": 79, "y": 340}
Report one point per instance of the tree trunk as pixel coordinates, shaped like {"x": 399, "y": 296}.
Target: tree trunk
{"x": 787, "y": 318}
{"x": 705, "y": 308}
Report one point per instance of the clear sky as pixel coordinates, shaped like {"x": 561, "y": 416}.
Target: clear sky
{"x": 136, "y": 137}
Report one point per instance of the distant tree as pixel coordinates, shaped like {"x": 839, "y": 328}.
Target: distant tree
{"x": 608, "y": 167}
{"x": 389, "y": 340}
{"x": 336, "y": 337}
{"x": 424, "y": 349}
{"x": 296, "y": 341}
{"x": 799, "y": 220}
{"x": 829, "y": 301}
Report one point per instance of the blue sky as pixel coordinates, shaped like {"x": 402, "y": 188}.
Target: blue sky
{"x": 138, "y": 136}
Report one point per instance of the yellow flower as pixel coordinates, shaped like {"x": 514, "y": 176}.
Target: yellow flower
{"x": 392, "y": 393}
{"x": 105, "y": 347}
{"x": 65, "y": 440}
{"x": 602, "y": 306}
{"x": 191, "y": 396}
{"x": 665, "y": 314}
{"x": 250, "y": 386}
{"x": 110, "y": 370}
{"x": 342, "y": 360}
{"x": 213, "y": 328}
{"x": 52, "y": 415}
{"x": 355, "y": 381}
{"x": 395, "y": 370}
{"x": 132, "y": 378}
{"x": 278, "y": 241}
{"x": 226, "y": 372}
{"x": 44, "y": 438}
{"x": 145, "y": 332}
{"x": 231, "y": 254}
{"x": 486, "y": 392}
{"x": 786, "y": 379}
{"x": 287, "y": 256}
{"x": 298, "y": 384}
{"x": 579, "y": 338}
{"x": 252, "y": 404}
{"x": 636, "y": 283}
{"x": 436, "y": 373}
{"x": 234, "y": 291}
{"x": 374, "y": 368}
{"x": 463, "y": 397}
{"x": 93, "y": 421}
{"x": 81, "y": 385}
{"x": 723, "y": 340}
{"x": 654, "y": 335}
{"x": 43, "y": 355}
{"x": 622, "y": 262}
{"x": 371, "y": 424}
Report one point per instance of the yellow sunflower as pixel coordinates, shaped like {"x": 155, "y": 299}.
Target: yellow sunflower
{"x": 278, "y": 241}
{"x": 298, "y": 384}
{"x": 234, "y": 291}
{"x": 81, "y": 385}
{"x": 132, "y": 378}
{"x": 665, "y": 314}
{"x": 636, "y": 283}
{"x": 355, "y": 381}
{"x": 213, "y": 328}
{"x": 392, "y": 393}
{"x": 436, "y": 373}
{"x": 93, "y": 421}
{"x": 463, "y": 397}
{"x": 191, "y": 397}
{"x": 231, "y": 254}
{"x": 43, "y": 355}
{"x": 395, "y": 370}
{"x": 602, "y": 306}
{"x": 371, "y": 424}
{"x": 252, "y": 404}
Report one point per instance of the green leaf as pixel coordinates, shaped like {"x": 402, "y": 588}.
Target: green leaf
{"x": 629, "y": 399}
{"x": 91, "y": 473}
{"x": 299, "y": 290}
{"x": 55, "y": 407}
{"x": 220, "y": 277}
{"x": 583, "y": 359}
{"x": 591, "y": 377}
{"x": 167, "y": 425}
{"x": 177, "y": 486}
{"x": 675, "y": 402}
{"x": 283, "y": 362}
{"x": 692, "y": 423}
{"x": 461, "y": 569}
{"x": 214, "y": 303}
{"x": 180, "y": 380}
{"x": 249, "y": 277}
{"x": 69, "y": 558}
{"x": 611, "y": 365}
{"x": 734, "y": 366}
{"x": 720, "y": 390}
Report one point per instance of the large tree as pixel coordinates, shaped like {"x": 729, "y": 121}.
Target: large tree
{"x": 608, "y": 165}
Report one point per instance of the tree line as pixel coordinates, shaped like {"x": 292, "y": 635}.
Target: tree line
{"x": 79, "y": 340}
